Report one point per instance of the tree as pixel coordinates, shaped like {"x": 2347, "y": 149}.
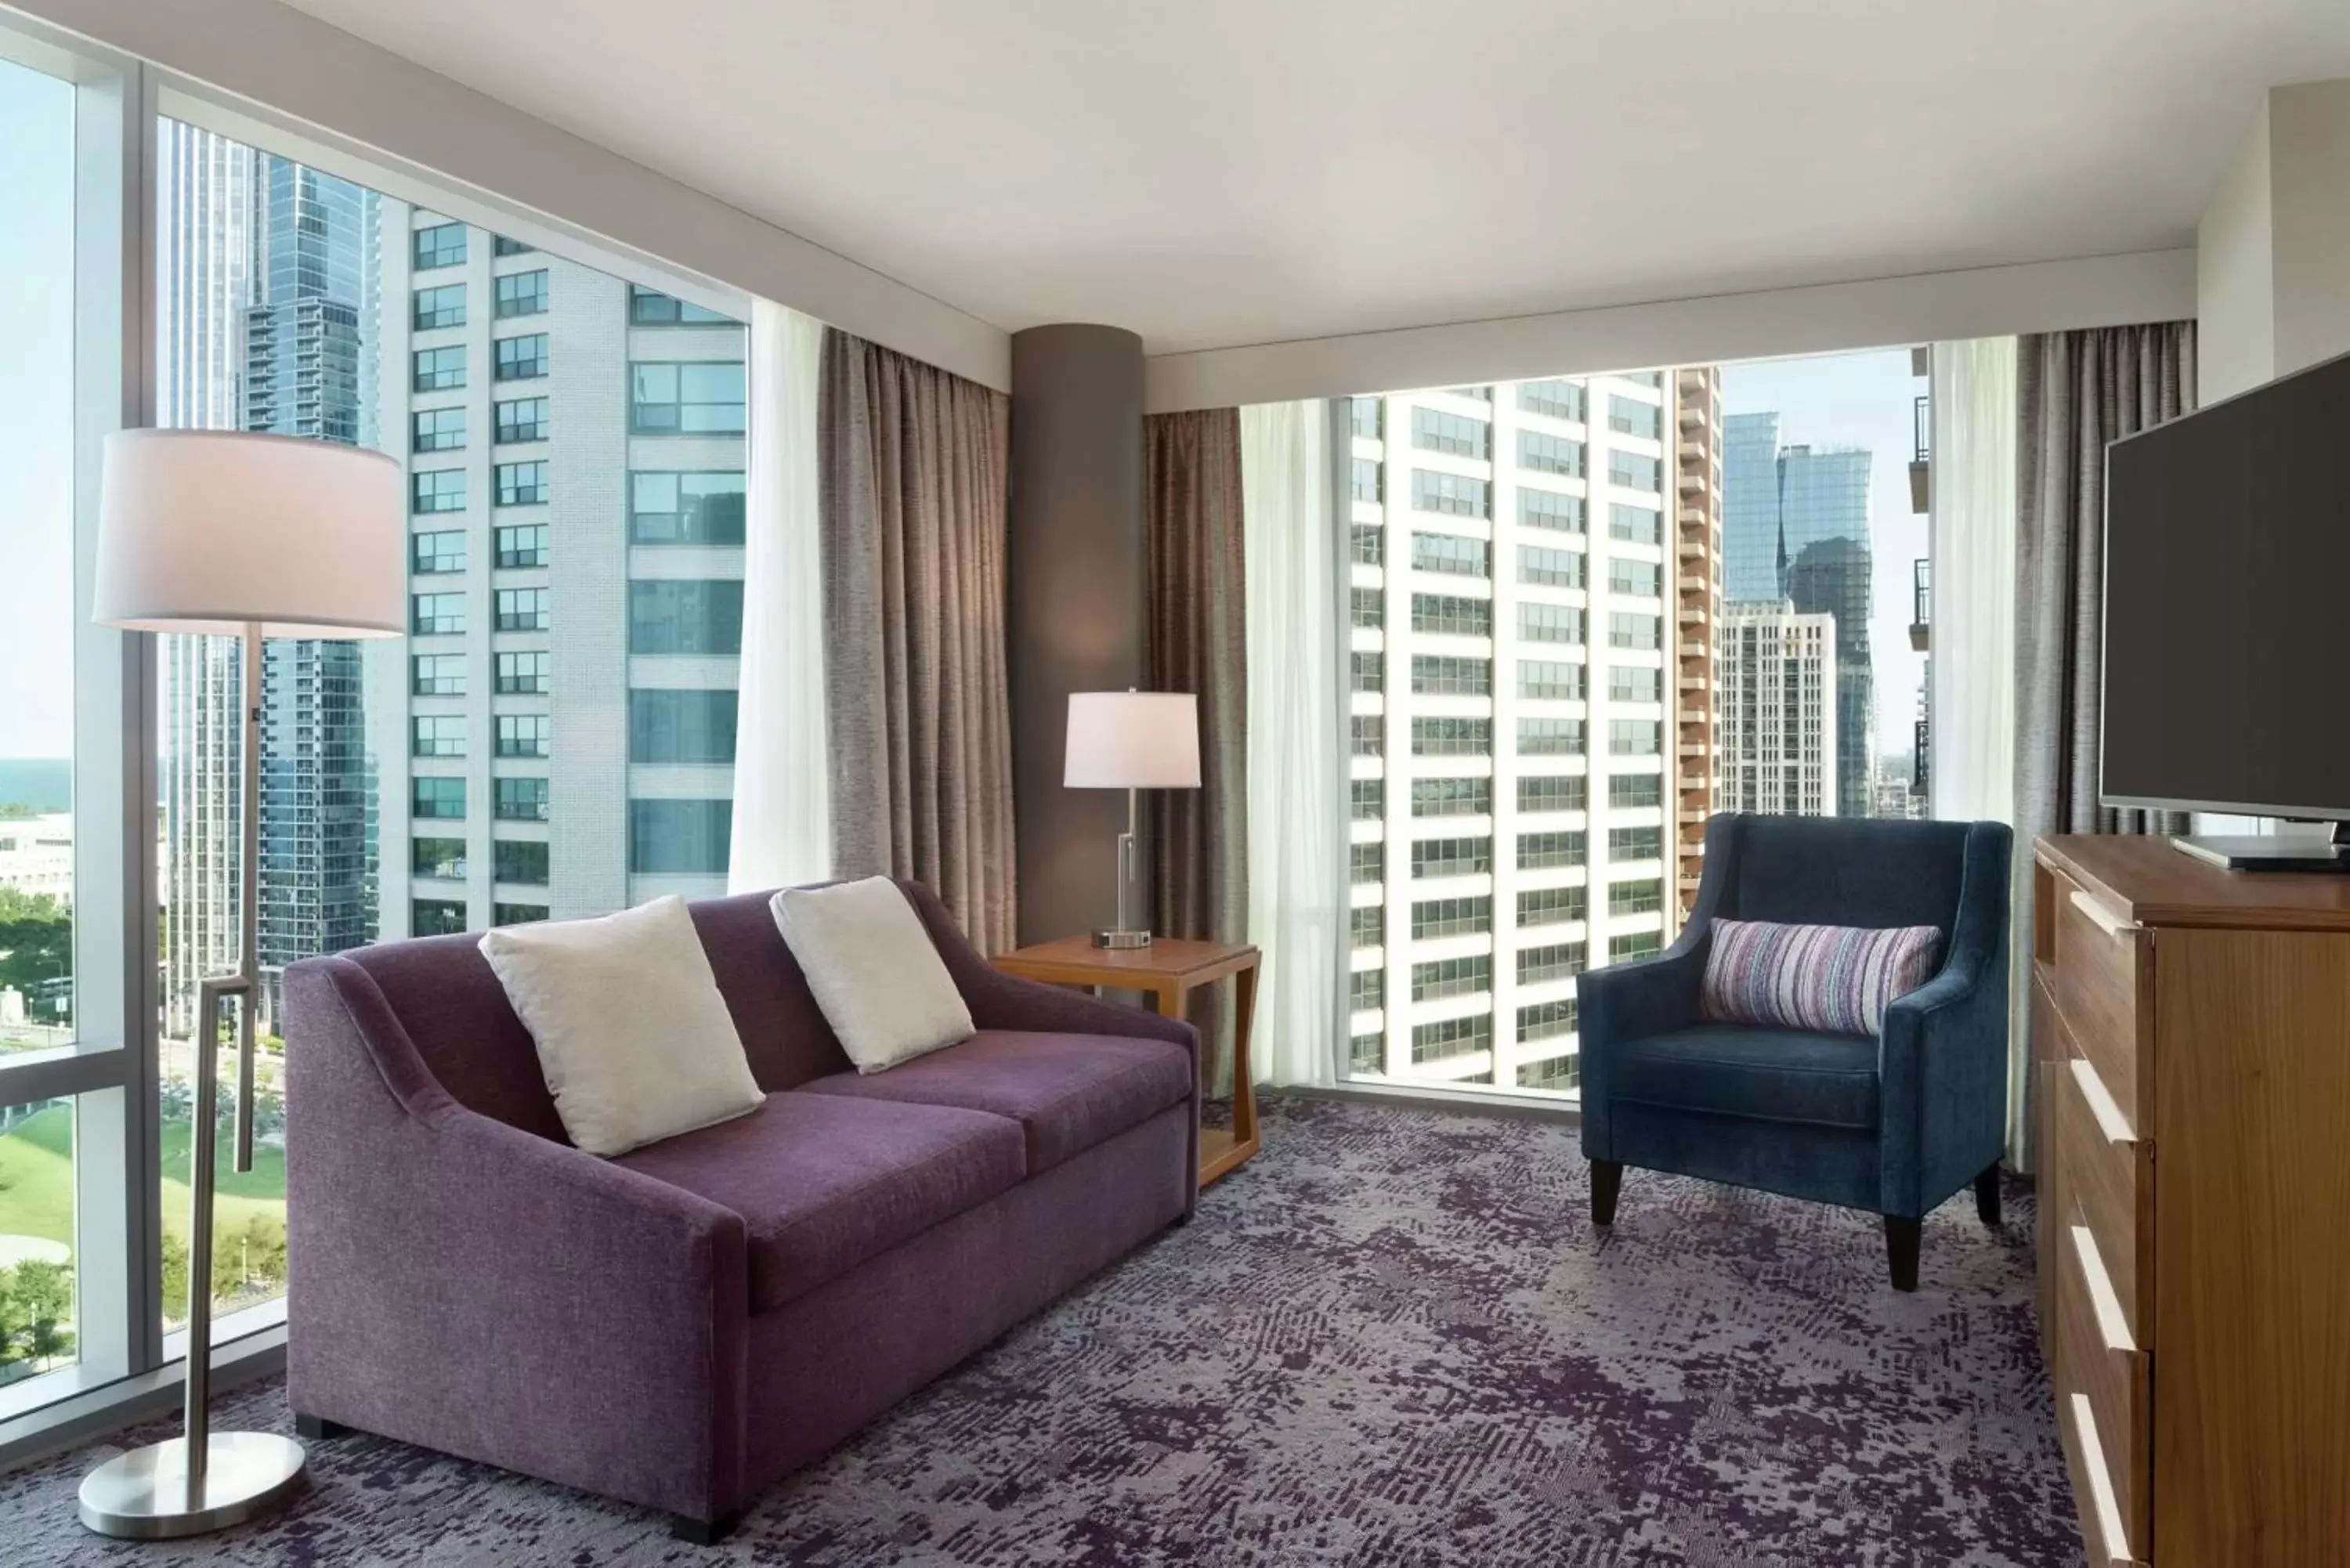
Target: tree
{"x": 36, "y": 1315}
{"x": 36, "y": 938}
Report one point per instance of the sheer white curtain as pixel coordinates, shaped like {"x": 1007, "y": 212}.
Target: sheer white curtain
{"x": 1972, "y": 700}
{"x": 1296, "y": 798}
{"x": 782, "y": 809}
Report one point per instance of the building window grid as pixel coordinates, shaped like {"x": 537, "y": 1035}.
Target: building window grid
{"x": 1451, "y": 918}
{"x": 1438, "y": 675}
{"x": 522, "y": 483}
{"x": 521, "y": 419}
{"x": 1452, "y": 797}
{"x": 438, "y": 245}
{"x": 1448, "y": 736}
{"x": 1450, "y": 1038}
{"x": 1559, "y": 960}
{"x": 1456, "y": 435}
{"x": 523, "y": 609}
{"x": 1550, "y": 851}
{"x": 439, "y": 369}
{"x": 1451, "y": 553}
{"x": 521, "y": 545}
{"x": 1451, "y": 857}
{"x": 521, "y": 293}
{"x": 525, "y": 734}
{"x": 1549, "y": 906}
{"x": 525, "y": 674}
{"x": 1552, "y": 792}
{"x": 1440, "y": 978}
{"x": 438, "y": 308}
{"x": 436, "y": 430}
{"x": 520, "y": 358}
{"x": 1451, "y": 615}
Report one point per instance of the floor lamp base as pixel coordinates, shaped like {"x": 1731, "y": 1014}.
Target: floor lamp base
{"x": 144, "y": 1495}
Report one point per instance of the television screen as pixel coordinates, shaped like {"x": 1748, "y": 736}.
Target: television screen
{"x": 2227, "y": 620}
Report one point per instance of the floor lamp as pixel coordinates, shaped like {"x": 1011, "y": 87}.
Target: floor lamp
{"x": 250, "y": 536}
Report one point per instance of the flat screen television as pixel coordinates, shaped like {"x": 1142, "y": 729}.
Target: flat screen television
{"x": 2228, "y": 614}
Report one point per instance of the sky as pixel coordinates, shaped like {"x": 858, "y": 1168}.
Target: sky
{"x": 36, "y": 414}
{"x": 1859, "y": 401}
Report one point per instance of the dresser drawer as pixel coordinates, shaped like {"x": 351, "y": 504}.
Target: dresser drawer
{"x": 2102, "y": 1405}
{"x": 2109, "y": 1188}
{"x": 2104, "y": 991}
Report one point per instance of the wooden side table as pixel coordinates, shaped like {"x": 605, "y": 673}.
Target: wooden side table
{"x": 1168, "y": 969}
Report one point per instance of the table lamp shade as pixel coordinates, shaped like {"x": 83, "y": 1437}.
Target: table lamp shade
{"x": 209, "y": 531}
{"x": 1133, "y": 740}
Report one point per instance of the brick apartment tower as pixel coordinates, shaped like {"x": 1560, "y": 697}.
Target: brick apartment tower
{"x": 1697, "y": 578}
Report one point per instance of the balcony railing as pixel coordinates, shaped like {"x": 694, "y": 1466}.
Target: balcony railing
{"x": 1922, "y": 604}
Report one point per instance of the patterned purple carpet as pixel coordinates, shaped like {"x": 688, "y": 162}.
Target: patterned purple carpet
{"x": 1393, "y": 1339}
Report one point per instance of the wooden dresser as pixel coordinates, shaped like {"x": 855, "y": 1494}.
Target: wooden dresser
{"x": 2191, "y": 1044}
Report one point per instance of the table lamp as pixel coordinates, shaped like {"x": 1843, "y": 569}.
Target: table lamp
{"x": 253, "y": 536}
{"x": 1131, "y": 741}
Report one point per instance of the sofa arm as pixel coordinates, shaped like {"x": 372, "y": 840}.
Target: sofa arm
{"x": 1942, "y": 1060}
{"x": 464, "y": 1284}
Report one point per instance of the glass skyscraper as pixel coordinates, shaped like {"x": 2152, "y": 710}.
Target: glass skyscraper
{"x": 1795, "y": 529}
{"x": 292, "y": 257}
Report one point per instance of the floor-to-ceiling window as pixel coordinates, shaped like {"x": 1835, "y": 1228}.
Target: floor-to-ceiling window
{"x": 69, "y": 1062}
{"x": 37, "y": 1319}
{"x": 1586, "y": 613}
{"x": 555, "y": 737}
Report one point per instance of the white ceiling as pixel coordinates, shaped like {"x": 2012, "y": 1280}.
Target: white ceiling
{"x": 1210, "y": 173}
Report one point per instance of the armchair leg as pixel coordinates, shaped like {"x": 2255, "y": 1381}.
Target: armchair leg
{"x": 1607, "y": 1182}
{"x": 317, "y": 1428}
{"x": 1901, "y": 1240}
{"x": 1987, "y": 1194}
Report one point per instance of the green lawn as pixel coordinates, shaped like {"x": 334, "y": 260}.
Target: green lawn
{"x": 36, "y": 1179}
{"x": 36, "y": 1191}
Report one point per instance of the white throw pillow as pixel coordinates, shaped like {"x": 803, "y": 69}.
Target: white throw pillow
{"x": 633, "y": 1037}
{"x": 882, "y": 985}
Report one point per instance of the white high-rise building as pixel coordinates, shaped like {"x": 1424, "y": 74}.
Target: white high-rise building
{"x": 1512, "y": 774}
{"x": 558, "y": 729}
{"x": 1776, "y": 669}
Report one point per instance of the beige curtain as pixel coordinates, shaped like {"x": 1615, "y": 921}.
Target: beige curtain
{"x": 1198, "y": 642}
{"x": 911, "y": 497}
{"x": 2075, "y": 391}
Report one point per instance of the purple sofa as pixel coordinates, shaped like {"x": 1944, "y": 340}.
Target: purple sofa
{"x": 682, "y": 1325}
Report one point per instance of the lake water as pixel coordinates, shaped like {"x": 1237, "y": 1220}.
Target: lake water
{"x": 44, "y": 784}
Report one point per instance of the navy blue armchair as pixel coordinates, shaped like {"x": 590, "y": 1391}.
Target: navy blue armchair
{"x": 1893, "y": 1125}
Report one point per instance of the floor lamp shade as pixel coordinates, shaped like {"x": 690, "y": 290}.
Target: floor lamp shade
{"x": 214, "y": 531}
{"x": 1133, "y": 740}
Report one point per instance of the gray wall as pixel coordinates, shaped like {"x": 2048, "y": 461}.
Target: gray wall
{"x": 1077, "y": 604}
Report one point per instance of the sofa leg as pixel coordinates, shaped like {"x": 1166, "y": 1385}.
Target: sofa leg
{"x": 1987, "y": 1194}
{"x": 1901, "y": 1238}
{"x": 1607, "y": 1182}
{"x": 702, "y": 1532}
{"x": 317, "y": 1428}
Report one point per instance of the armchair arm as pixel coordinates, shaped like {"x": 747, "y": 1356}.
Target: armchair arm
{"x": 463, "y": 1284}
{"x": 1631, "y": 1001}
{"x": 1943, "y": 1056}
{"x": 1001, "y": 1000}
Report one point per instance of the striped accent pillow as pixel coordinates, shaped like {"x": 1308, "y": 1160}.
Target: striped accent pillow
{"x": 1833, "y": 979}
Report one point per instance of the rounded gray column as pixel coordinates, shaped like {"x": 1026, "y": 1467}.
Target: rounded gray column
{"x": 1076, "y": 603}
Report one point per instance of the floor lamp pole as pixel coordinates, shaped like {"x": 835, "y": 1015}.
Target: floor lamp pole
{"x": 203, "y": 1480}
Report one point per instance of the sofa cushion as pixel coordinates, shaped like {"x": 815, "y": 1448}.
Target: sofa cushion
{"x": 1765, "y": 1075}
{"x": 1069, "y": 1092}
{"x": 823, "y": 1182}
